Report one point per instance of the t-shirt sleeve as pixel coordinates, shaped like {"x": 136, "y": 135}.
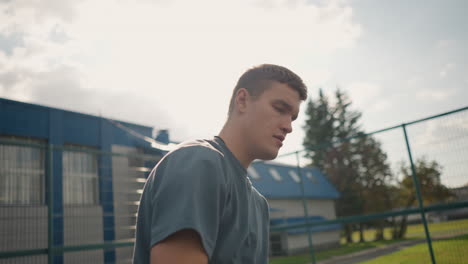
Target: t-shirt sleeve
{"x": 188, "y": 192}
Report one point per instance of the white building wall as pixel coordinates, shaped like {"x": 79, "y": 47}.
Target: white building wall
{"x": 84, "y": 256}
{"x": 22, "y": 228}
{"x": 295, "y": 208}
{"x": 38, "y": 259}
{"x": 128, "y": 177}
{"x": 300, "y": 242}
{"x": 83, "y": 225}
{"x": 25, "y": 227}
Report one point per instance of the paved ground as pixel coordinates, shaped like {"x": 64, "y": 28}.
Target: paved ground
{"x": 372, "y": 253}
{"x": 369, "y": 254}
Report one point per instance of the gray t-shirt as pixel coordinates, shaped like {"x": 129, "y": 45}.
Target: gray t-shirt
{"x": 202, "y": 186}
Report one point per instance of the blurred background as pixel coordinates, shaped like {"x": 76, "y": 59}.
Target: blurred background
{"x": 93, "y": 93}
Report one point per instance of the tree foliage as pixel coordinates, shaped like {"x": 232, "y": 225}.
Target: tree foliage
{"x": 326, "y": 124}
{"x": 428, "y": 174}
{"x": 356, "y": 166}
{"x": 431, "y": 188}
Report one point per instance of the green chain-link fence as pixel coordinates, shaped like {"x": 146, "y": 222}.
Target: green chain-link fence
{"x": 69, "y": 204}
{"x": 407, "y": 182}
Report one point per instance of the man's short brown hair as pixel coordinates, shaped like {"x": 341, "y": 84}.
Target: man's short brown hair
{"x": 259, "y": 78}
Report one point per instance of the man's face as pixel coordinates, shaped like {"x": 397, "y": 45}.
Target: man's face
{"x": 269, "y": 119}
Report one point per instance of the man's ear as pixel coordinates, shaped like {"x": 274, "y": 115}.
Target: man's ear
{"x": 241, "y": 100}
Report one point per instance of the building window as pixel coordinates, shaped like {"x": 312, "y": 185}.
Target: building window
{"x": 311, "y": 177}
{"x": 294, "y": 176}
{"x": 274, "y": 173}
{"x": 21, "y": 172}
{"x": 80, "y": 178}
{"x": 253, "y": 173}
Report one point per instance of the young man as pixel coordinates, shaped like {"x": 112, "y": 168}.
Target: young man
{"x": 198, "y": 205}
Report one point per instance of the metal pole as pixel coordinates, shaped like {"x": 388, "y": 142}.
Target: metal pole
{"x": 50, "y": 206}
{"x": 304, "y": 203}
{"x": 418, "y": 194}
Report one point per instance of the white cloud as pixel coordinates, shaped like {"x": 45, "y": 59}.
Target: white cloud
{"x": 440, "y": 133}
{"x": 446, "y": 69}
{"x": 443, "y": 140}
{"x": 181, "y": 58}
{"x": 316, "y": 77}
{"x": 445, "y": 44}
{"x": 380, "y": 106}
{"x": 364, "y": 94}
{"x": 29, "y": 12}
{"x": 435, "y": 94}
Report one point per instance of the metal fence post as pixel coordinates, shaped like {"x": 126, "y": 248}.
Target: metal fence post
{"x": 306, "y": 217}
{"x": 418, "y": 195}
{"x": 50, "y": 199}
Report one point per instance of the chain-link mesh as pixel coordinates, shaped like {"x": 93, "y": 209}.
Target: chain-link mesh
{"x": 128, "y": 178}
{"x": 380, "y": 178}
{"x": 93, "y": 198}
{"x": 76, "y": 204}
{"x": 440, "y": 153}
{"x": 23, "y": 211}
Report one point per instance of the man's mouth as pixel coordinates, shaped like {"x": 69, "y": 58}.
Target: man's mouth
{"x": 280, "y": 138}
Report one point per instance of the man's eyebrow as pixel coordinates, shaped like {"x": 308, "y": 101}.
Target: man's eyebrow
{"x": 285, "y": 105}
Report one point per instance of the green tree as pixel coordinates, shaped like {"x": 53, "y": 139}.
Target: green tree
{"x": 375, "y": 177}
{"x": 432, "y": 189}
{"x": 318, "y": 130}
{"x": 328, "y": 129}
{"x": 344, "y": 171}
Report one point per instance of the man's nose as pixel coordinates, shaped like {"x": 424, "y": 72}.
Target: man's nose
{"x": 287, "y": 126}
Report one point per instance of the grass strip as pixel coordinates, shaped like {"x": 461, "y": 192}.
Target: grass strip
{"x": 446, "y": 251}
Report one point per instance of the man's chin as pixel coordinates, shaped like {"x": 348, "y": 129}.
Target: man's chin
{"x": 269, "y": 155}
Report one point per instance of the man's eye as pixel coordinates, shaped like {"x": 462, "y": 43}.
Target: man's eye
{"x": 280, "y": 109}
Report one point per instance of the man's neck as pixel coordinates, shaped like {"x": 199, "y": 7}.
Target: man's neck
{"x": 233, "y": 139}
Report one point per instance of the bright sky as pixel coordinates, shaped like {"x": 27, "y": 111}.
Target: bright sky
{"x": 172, "y": 64}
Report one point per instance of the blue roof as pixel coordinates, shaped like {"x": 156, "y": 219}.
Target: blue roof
{"x": 31, "y": 120}
{"x": 282, "y": 181}
{"x": 60, "y": 127}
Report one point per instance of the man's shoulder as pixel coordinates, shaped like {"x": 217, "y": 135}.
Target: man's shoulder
{"x": 190, "y": 160}
{"x": 196, "y": 150}
{"x": 200, "y": 145}
{"x": 261, "y": 198}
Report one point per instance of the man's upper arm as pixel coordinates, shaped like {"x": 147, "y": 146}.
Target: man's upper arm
{"x": 183, "y": 246}
{"x": 188, "y": 198}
